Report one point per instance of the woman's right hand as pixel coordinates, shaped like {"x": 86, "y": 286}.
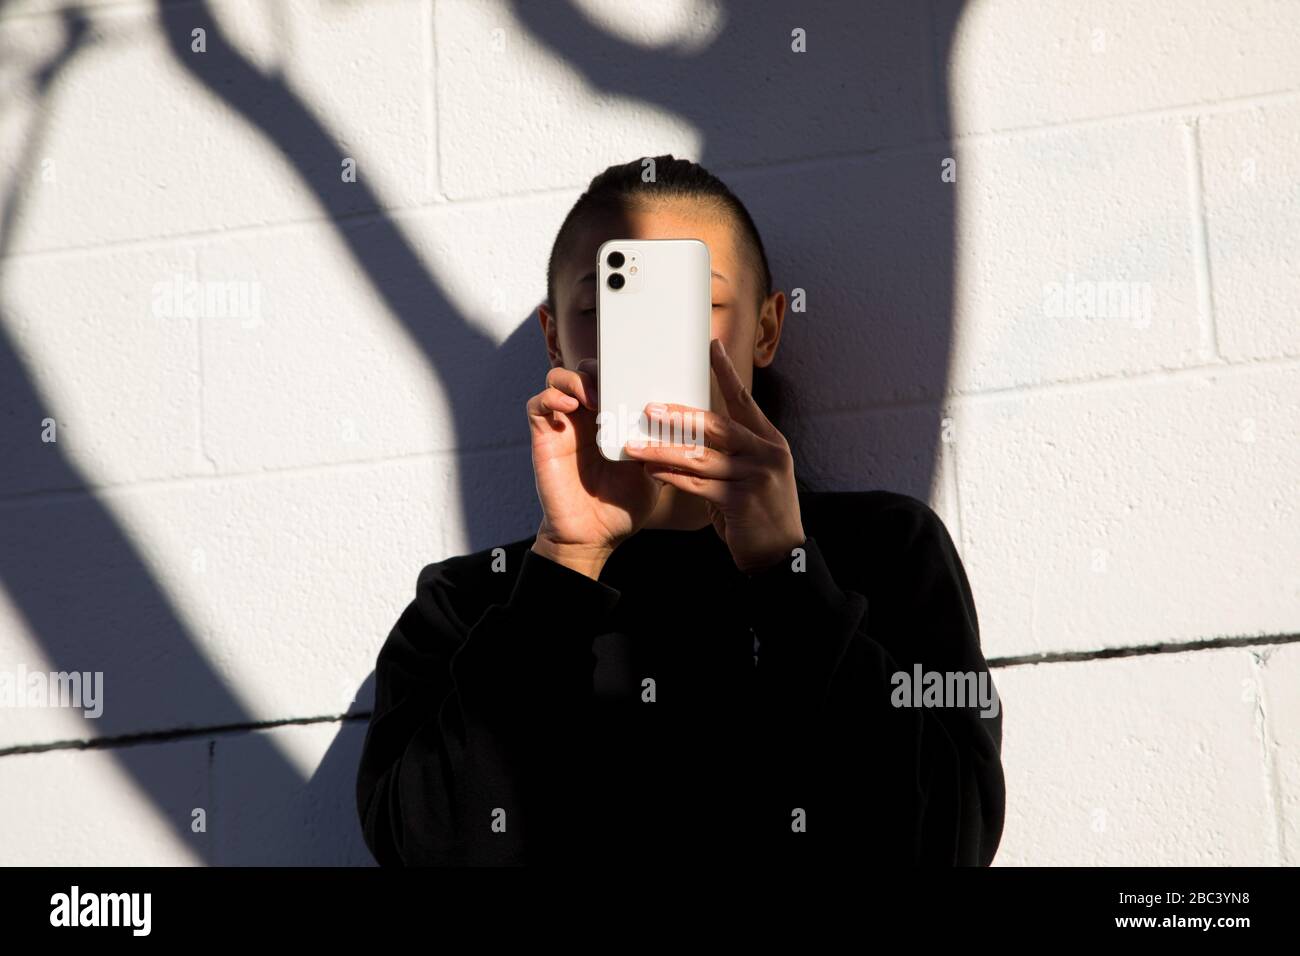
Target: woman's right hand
{"x": 589, "y": 503}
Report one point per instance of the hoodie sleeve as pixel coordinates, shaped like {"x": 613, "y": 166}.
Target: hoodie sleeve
{"x": 462, "y": 698}
{"x": 860, "y": 772}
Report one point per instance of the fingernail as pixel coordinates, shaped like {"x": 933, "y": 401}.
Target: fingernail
{"x": 657, "y": 408}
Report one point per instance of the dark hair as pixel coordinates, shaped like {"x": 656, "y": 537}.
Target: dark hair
{"x": 624, "y": 185}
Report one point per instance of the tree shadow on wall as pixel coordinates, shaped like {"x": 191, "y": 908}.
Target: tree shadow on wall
{"x": 860, "y": 219}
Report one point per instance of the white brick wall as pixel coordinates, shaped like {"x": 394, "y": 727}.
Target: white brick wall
{"x": 236, "y": 508}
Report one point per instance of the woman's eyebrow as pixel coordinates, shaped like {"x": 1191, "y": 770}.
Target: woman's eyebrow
{"x": 719, "y": 275}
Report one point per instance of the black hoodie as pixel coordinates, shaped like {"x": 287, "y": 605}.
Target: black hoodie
{"x": 677, "y": 710}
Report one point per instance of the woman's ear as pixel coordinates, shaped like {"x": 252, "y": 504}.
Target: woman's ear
{"x": 767, "y": 334}
{"x": 550, "y": 332}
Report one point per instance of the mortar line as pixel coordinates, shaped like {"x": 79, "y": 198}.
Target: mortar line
{"x": 1143, "y": 650}
{"x": 394, "y": 212}
{"x": 1272, "y": 778}
{"x": 955, "y": 478}
{"x": 1067, "y": 386}
{"x": 432, "y": 113}
{"x": 185, "y": 733}
{"x": 196, "y": 264}
{"x": 1200, "y": 241}
{"x": 293, "y": 471}
{"x": 935, "y": 77}
{"x": 189, "y": 733}
{"x": 950, "y": 400}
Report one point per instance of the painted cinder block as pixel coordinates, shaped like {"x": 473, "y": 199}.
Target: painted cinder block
{"x": 149, "y": 138}
{"x": 1251, "y": 163}
{"x": 128, "y": 806}
{"x": 1133, "y": 513}
{"x": 1135, "y": 761}
{"x": 1019, "y": 63}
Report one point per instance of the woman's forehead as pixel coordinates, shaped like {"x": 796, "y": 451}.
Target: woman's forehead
{"x": 670, "y": 220}
{"x": 666, "y": 221}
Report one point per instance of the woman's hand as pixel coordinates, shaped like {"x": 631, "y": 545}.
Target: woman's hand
{"x": 589, "y": 503}
{"x": 743, "y": 469}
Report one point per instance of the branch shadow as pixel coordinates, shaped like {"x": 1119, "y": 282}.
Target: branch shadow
{"x": 883, "y": 222}
{"x": 71, "y": 570}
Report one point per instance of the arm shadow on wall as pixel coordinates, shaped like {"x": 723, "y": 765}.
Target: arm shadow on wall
{"x": 870, "y": 235}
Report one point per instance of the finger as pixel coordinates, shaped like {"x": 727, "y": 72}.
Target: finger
{"x": 694, "y": 460}
{"x": 740, "y": 402}
{"x": 546, "y": 403}
{"x": 580, "y": 385}
{"x": 687, "y": 425}
{"x": 589, "y": 369}
{"x": 709, "y": 489}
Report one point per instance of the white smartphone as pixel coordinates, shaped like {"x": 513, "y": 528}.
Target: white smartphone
{"x": 654, "y": 311}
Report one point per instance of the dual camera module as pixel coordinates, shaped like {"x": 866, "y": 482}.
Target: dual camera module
{"x": 615, "y": 260}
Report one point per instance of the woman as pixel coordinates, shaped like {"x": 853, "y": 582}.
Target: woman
{"x": 694, "y": 658}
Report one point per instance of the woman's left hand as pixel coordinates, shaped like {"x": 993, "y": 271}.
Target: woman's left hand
{"x": 739, "y": 463}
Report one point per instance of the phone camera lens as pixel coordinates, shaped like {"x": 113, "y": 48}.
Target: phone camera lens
{"x": 615, "y": 260}
{"x": 616, "y": 280}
